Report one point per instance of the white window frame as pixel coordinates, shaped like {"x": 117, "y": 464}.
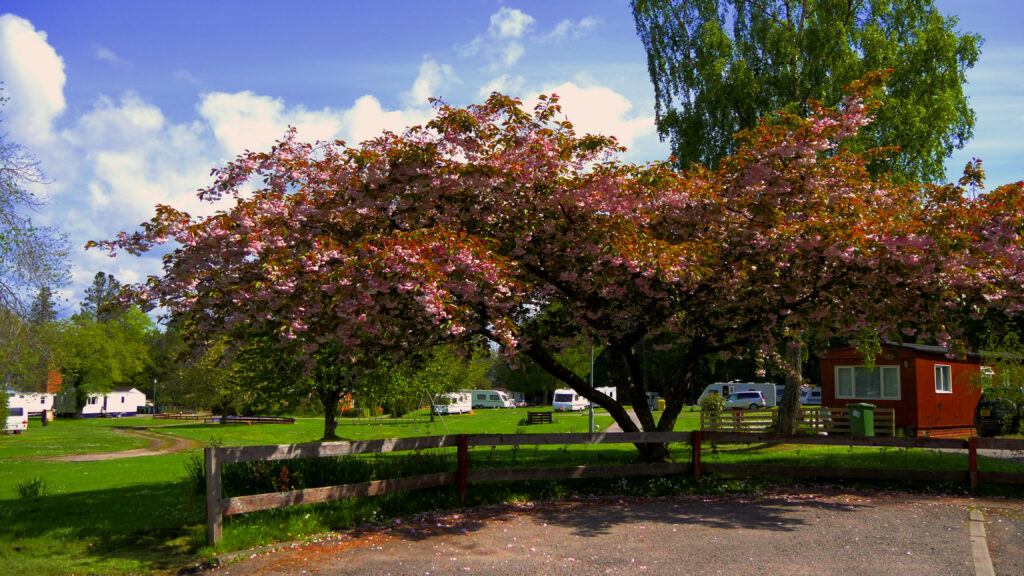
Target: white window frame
{"x": 943, "y": 379}
{"x": 853, "y": 383}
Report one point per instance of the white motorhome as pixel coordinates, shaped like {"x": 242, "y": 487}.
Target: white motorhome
{"x": 17, "y": 420}
{"x": 725, "y": 388}
{"x": 34, "y": 403}
{"x": 490, "y": 399}
{"x": 568, "y": 400}
{"x": 453, "y": 403}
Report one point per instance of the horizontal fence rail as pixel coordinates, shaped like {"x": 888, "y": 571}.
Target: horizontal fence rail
{"x": 218, "y": 507}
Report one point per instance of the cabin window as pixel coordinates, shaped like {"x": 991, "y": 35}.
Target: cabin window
{"x": 861, "y": 383}
{"x": 943, "y": 379}
{"x": 91, "y": 400}
{"x": 122, "y": 399}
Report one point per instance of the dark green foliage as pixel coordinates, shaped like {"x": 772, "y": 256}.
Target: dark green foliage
{"x": 245, "y": 478}
{"x": 718, "y": 66}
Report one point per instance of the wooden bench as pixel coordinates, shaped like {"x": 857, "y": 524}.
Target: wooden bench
{"x": 539, "y": 417}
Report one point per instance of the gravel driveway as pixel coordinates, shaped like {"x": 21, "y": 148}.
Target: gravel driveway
{"x": 819, "y": 533}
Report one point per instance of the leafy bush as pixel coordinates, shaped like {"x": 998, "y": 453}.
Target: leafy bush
{"x": 351, "y": 412}
{"x": 244, "y": 478}
{"x": 712, "y": 403}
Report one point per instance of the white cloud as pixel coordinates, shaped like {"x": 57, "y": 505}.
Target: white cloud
{"x": 432, "y": 79}
{"x": 501, "y": 43}
{"x": 509, "y": 85}
{"x": 106, "y": 54}
{"x": 600, "y": 110}
{"x": 570, "y": 29}
{"x": 367, "y": 119}
{"x": 126, "y": 125}
{"x": 509, "y": 23}
{"x": 33, "y": 76}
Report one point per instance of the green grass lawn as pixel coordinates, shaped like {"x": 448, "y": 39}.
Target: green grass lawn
{"x": 144, "y": 514}
{"x": 70, "y": 437}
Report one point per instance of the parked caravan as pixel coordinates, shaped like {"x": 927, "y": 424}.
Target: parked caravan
{"x": 119, "y": 402}
{"x": 453, "y": 403}
{"x": 767, "y": 389}
{"x": 17, "y": 420}
{"x": 34, "y": 403}
{"x": 568, "y": 400}
{"x": 490, "y": 399}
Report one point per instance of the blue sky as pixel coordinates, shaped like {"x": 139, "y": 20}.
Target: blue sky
{"x": 129, "y": 104}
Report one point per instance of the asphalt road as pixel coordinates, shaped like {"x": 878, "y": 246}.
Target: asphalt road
{"x": 820, "y": 533}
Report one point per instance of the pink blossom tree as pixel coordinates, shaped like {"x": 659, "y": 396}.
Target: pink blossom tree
{"x": 493, "y": 221}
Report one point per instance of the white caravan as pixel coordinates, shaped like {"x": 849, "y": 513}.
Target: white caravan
{"x": 118, "y": 402}
{"x": 568, "y": 400}
{"x": 490, "y": 399}
{"x": 725, "y": 388}
{"x": 34, "y": 403}
{"x": 453, "y": 403}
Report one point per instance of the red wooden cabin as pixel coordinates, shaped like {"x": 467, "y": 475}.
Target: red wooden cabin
{"x": 932, "y": 394}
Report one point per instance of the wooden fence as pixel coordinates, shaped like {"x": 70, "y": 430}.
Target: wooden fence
{"x": 809, "y": 419}
{"x": 215, "y": 457}
{"x": 182, "y": 416}
{"x": 249, "y": 420}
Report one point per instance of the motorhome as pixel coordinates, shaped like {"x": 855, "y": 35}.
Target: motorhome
{"x": 453, "y": 403}
{"x": 568, "y": 400}
{"x": 490, "y": 399}
{"x": 725, "y": 388}
{"x": 17, "y": 420}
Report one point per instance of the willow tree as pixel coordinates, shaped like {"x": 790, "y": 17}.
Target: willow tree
{"x": 720, "y": 65}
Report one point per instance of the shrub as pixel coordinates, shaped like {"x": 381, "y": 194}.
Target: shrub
{"x": 712, "y": 403}
{"x": 33, "y": 488}
{"x": 351, "y": 412}
{"x": 244, "y": 478}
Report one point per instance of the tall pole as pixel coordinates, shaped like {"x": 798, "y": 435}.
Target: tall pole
{"x": 591, "y": 387}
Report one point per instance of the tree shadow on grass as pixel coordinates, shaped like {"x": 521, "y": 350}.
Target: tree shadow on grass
{"x": 152, "y": 526}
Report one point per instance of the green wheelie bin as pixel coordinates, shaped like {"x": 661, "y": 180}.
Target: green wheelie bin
{"x": 862, "y": 419}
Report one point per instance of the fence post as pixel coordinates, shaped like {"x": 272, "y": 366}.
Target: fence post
{"x": 214, "y": 518}
{"x": 972, "y": 460}
{"x": 697, "y": 440}
{"x": 462, "y": 472}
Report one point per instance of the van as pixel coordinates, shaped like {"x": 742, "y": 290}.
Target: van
{"x": 811, "y": 397}
{"x": 723, "y": 389}
{"x": 453, "y": 403}
{"x": 490, "y": 399}
{"x": 999, "y": 411}
{"x": 17, "y": 420}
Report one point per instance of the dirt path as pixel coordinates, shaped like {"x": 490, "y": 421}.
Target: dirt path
{"x": 159, "y": 443}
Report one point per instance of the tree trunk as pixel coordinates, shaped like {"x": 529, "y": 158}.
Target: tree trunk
{"x": 330, "y": 396}
{"x": 789, "y": 406}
